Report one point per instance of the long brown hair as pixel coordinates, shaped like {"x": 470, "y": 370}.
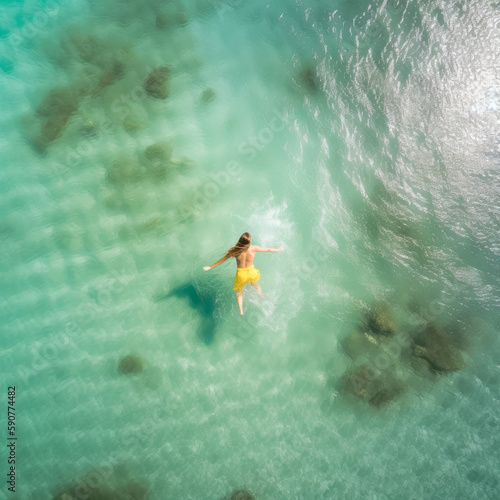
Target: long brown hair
{"x": 240, "y": 247}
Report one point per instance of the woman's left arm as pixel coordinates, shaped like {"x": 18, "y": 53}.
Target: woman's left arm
{"x": 260, "y": 249}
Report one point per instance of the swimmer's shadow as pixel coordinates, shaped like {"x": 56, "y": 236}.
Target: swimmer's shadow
{"x": 203, "y": 302}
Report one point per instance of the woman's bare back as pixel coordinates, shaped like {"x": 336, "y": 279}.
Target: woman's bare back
{"x": 245, "y": 259}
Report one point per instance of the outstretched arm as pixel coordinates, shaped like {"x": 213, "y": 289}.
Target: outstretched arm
{"x": 260, "y": 249}
{"x": 220, "y": 261}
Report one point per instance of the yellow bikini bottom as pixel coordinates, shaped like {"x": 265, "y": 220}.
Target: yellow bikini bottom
{"x": 245, "y": 275}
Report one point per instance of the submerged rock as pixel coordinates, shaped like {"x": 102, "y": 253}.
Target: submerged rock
{"x": 87, "y": 46}
{"x": 310, "y": 80}
{"x": 379, "y": 320}
{"x": 136, "y": 119}
{"x": 123, "y": 172}
{"x": 158, "y": 152}
{"x": 89, "y": 128}
{"x": 357, "y": 344}
{"x": 131, "y": 364}
{"x": 55, "y": 112}
{"x": 58, "y": 101}
{"x": 133, "y": 490}
{"x": 99, "y": 492}
{"x": 157, "y": 83}
{"x": 158, "y": 159}
{"x": 372, "y": 387}
{"x": 241, "y": 495}
{"x": 109, "y": 77}
{"x": 422, "y": 368}
{"x": 132, "y": 125}
{"x": 106, "y": 483}
{"x": 182, "y": 164}
{"x": 162, "y": 21}
{"x": 208, "y": 95}
{"x": 434, "y": 345}
{"x": 171, "y": 19}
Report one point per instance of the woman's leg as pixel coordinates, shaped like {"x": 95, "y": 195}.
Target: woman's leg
{"x": 239, "y": 298}
{"x": 259, "y": 291}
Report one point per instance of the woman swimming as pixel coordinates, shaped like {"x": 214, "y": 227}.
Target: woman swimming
{"x": 246, "y": 272}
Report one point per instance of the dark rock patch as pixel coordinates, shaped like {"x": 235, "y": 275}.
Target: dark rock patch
{"x": 162, "y": 21}
{"x": 132, "y": 125}
{"x": 123, "y": 172}
{"x": 182, "y": 164}
{"x": 373, "y": 387}
{"x": 241, "y": 495}
{"x": 422, "y": 368}
{"x": 58, "y": 101}
{"x": 208, "y": 95}
{"x": 54, "y": 112}
{"x": 109, "y": 77}
{"x": 379, "y": 320}
{"x": 165, "y": 20}
{"x": 357, "y": 344}
{"x": 310, "y": 80}
{"x": 133, "y": 490}
{"x": 87, "y": 46}
{"x": 157, "y": 83}
{"x": 136, "y": 119}
{"x": 89, "y": 128}
{"x": 131, "y": 364}
{"x": 108, "y": 482}
{"x": 158, "y": 152}
{"x": 434, "y": 345}
{"x": 158, "y": 159}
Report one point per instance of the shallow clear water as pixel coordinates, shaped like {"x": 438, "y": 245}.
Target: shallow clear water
{"x": 363, "y": 136}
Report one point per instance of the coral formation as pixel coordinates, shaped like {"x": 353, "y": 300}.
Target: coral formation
{"x": 434, "y": 345}
{"x": 157, "y": 83}
{"x": 131, "y": 364}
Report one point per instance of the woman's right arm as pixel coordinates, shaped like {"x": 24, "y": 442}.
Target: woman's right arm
{"x": 206, "y": 268}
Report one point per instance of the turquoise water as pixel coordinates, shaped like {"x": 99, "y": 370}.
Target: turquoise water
{"x": 363, "y": 136}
